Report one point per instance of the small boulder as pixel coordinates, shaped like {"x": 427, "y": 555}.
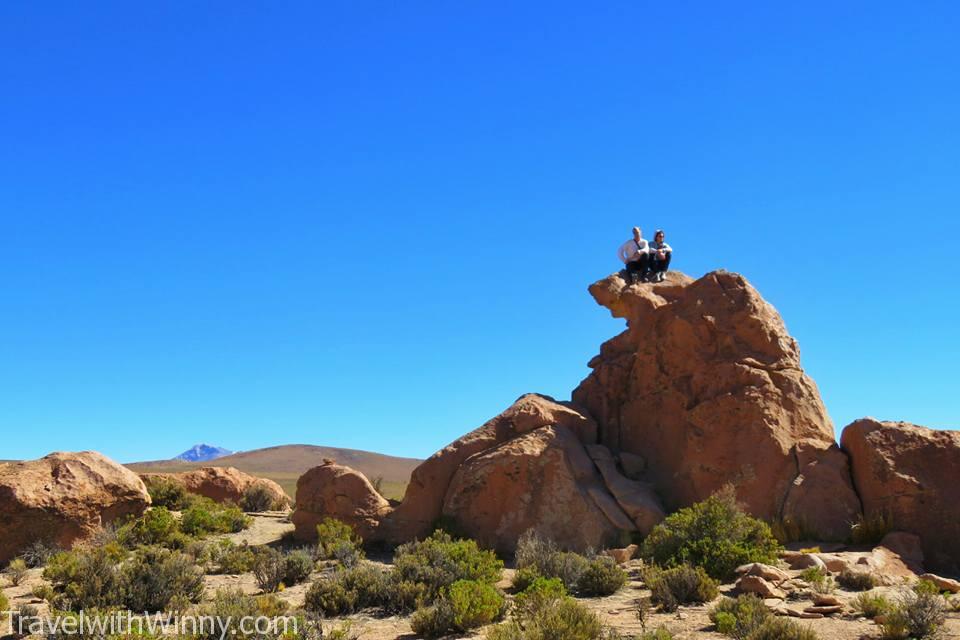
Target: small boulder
{"x": 759, "y": 586}
{"x": 623, "y": 555}
{"x": 333, "y": 490}
{"x": 222, "y": 484}
{"x": 765, "y": 571}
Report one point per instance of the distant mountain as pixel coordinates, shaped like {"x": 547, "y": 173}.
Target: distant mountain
{"x": 286, "y": 463}
{"x": 203, "y": 453}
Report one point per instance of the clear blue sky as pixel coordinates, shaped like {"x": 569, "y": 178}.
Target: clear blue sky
{"x": 372, "y": 224}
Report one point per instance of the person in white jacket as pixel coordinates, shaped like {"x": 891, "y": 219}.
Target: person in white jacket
{"x": 635, "y": 254}
{"x": 660, "y": 254}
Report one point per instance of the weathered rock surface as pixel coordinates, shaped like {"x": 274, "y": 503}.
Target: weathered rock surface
{"x": 64, "y": 498}
{"x": 759, "y": 586}
{"x": 706, "y": 386}
{"x": 222, "y": 484}
{"x": 424, "y": 499}
{"x": 910, "y": 474}
{"x": 337, "y": 491}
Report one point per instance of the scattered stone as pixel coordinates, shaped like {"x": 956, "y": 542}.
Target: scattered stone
{"x": 765, "y": 571}
{"x": 759, "y": 586}
{"x": 826, "y": 600}
{"x": 826, "y": 610}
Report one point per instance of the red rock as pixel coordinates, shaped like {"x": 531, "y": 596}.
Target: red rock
{"x": 759, "y": 586}
{"x": 623, "y": 555}
{"x": 424, "y": 498}
{"x": 824, "y": 610}
{"x": 542, "y": 480}
{"x": 909, "y": 473}
{"x": 222, "y": 484}
{"x": 64, "y": 498}
{"x": 765, "y": 571}
{"x": 706, "y": 386}
{"x": 336, "y": 491}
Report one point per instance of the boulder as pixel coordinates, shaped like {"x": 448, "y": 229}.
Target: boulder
{"x": 943, "y": 584}
{"x": 222, "y": 484}
{"x": 626, "y": 554}
{"x": 706, "y": 386}
{"x": 765, "y": 571}
{"x": 759, "y": 586}
{"x": 64, "y": 498}
{"x": 423, "y": 501}
{"x": 542, "y": 480}
{"x": 336, "y": 491}
{"x": 908, "y": 474}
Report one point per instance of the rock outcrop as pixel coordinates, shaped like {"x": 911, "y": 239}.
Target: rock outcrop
{"x": 64, "y": 498}
{"x": 705, "y": 386}
{"x": 910, "y": 475}
{"x": 336, "y": 491}
{"x": 222, "y": 484}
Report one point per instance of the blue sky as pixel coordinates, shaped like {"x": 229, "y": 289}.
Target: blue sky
{"x": 372, "y": 225}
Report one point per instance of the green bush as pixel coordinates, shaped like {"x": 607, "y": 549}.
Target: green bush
{"x": 474, "y": 604}
{"x": 433, "y": 621}
{"x": 205, "y": 516}
{"x": 782, "y": 629}
{"x": 347, "y": 591}
{"x": 4, "y": 602}
{"x": 872, "y": 604}
{"x": 22, "y": 619}
{"x": 258, "y": 498}
{"x": 537, "y": 595}
{"x": 230, "y": 606}
{"x": 297, "y": 567}
{"x": 540, "y": 556}
{"x": 403, "y": 596}
{"x": 85, "y": 579}
{"x": 523, "y": 578}
{"x": 659, "y": 634}
{"x": 334, "y": 538}
{"x": 738, "y": 617}
{"x": 232, "y": 559}
{"x": 856, "y": 580}
{"x": 918, "y": 616}
{"x": 567, "y": 619}
{"x": 714, "y": 534}
{"x": 602, "y": 577}
{"x": 155, "y": 526}
{"x": 439, "y": 561}
{"x": 926, "y": 587}
{"x": 819, "y": 580}
{"x": 167, "y": 493}
{"x": 680, "y": 585}
{"x": 154, "y": 576}
{"x": 16, "y": 571}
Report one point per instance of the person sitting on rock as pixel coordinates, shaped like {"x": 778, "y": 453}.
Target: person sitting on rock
{"x": 660, "y": 253}
{"x": 635, "y": 254}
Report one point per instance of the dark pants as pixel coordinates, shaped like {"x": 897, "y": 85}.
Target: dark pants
{"x": 639, "y": 268}
{"x": 657, "y": 264}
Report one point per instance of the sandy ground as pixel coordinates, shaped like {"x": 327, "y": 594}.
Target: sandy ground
{"x": 618, "y": 610}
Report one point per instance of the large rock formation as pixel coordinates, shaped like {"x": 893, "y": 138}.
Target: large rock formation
{"x": 336, "y": 491}
{"x": 705, "y": 385}
{"x": 911, "y": 475}
{"x": 64, "y": 498}
{"x": 222, "y": 484}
